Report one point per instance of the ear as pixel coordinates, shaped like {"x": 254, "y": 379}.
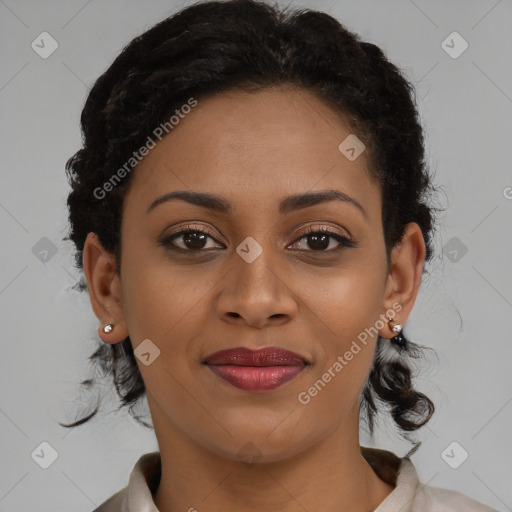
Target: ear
{"x": 104, "y": 289}
{"x": 404, "y": 279}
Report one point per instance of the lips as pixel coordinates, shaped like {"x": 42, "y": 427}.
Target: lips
{"x": 256, "y": 370}
{"x": 269, "y": 356}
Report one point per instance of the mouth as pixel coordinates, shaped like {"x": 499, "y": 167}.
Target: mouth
{"x": 261, "y": 370}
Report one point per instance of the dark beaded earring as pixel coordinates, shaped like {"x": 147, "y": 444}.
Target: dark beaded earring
{"x": 398, "y": 339}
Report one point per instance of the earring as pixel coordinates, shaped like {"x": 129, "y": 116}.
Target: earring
{"x": 398, "y": 339}
{"x": 108, "y": 328}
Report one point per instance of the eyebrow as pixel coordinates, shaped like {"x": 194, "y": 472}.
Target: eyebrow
{"x": 288, "y": 204}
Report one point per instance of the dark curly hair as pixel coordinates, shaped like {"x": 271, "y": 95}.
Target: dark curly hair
{"x": 214, "y": 46}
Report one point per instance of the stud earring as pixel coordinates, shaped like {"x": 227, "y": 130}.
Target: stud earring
{"x": 398, "y": 339}
{"x": 108, "y": 328}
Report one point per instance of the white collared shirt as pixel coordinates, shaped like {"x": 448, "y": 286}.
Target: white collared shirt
{"x": 409, "y": 494}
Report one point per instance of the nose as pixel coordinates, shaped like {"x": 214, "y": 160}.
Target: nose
{"x": 257, "y": 293}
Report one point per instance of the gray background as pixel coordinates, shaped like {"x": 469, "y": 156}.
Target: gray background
{"x": 48, "y": 330}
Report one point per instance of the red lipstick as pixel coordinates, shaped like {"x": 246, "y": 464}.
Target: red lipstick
{"x": 256, "y": 370}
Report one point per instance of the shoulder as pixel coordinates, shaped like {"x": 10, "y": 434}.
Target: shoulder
{"x": 137, "y": 495}
{"x": 437, "y": 499}
{"x": 410, "y": 494}
{"x": 115, "y": 503}
{"x": 427, "y": 498}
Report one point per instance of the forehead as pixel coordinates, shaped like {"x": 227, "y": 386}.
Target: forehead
{"x": 255, "y": 146}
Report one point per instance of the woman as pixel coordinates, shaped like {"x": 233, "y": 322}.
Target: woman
{"x": 249, "y": 211}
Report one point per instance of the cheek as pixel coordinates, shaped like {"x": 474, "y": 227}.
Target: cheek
{"x": 163, "y": 303}
{"x": 345, "y": 324}
{"x": 161, "y": 299}
{"x": 347, "y": 299}
{"x": 352, "y": 307}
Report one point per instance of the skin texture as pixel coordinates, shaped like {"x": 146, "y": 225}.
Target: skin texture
{"x": 254, "y": 150}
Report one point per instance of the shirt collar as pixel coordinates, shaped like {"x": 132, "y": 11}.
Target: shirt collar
{"x": 145, "y": 478}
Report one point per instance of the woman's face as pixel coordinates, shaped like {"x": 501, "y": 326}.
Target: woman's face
{"x": 256, "y": 279}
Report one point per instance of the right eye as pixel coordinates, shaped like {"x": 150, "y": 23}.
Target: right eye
{"x": 192, "y": 240}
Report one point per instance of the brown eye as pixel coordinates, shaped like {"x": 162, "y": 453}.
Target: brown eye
{"x": 189, "y": 240}
{"x": 319, "y": 240}
{"x": 195, "y": 240}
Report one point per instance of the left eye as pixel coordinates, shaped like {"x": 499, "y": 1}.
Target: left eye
{"x": 320, "y": 239}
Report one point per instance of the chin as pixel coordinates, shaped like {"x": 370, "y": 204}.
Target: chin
{"x": 260, "y": 447}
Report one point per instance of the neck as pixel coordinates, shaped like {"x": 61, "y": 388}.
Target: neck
{"x": 330, "y": 476}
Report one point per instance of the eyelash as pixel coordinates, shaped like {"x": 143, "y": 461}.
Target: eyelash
{"x": 344, "y": 241}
